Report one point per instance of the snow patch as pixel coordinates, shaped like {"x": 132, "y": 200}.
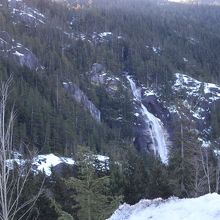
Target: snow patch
{"x": 203, "y": 208}
{"x": 185, "y": 60}
{"x": 22, "y": 12}
{"x": 105, "y": 34}
{"x": 156, "y": 50}
{"x": 194, "y": 87}
{"x": 204, "y": 143}
{"x": 18, "y": 54}
{"x": 45, "y": 162}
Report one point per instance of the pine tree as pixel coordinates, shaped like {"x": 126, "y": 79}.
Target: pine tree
{"x": 92, "y": 190}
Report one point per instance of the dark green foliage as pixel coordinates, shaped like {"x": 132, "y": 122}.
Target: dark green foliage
{"x": 215, "y": 121}
{"x": 93, "y": 192}
{"x": 137, "y": 177}
{"x": 49, "y": 120}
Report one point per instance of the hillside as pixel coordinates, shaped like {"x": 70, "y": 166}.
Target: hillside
{"x": 116, "y": 80}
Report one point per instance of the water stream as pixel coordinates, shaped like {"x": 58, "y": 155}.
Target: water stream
{"x": 157, "y": 131}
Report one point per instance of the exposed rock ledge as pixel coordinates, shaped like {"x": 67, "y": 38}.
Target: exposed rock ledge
{"x": 80, "y": 97}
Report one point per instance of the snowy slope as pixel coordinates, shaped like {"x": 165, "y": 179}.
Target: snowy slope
{"x": 199, "y": 98}
{"x": 194, "y": 87}
{"x": 203, "y": 208}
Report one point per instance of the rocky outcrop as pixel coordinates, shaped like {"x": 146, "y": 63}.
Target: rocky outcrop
{"x": 199, "y": 98}
{"x": 79, "y": 96}
{"x": 157, "y": 108}
{"x": 196, "y": 101}
{"x": 100, "y": 77}
{"x": 22, "y": 13}
{"x": 25, "y": 58}
{"x": 9, "y": 48}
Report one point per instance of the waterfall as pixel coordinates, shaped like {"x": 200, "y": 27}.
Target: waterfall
{"x": 157, "y": 131}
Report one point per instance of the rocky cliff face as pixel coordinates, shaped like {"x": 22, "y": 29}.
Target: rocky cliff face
{"x": 154, "y": 115}
{"x": 100, "y": 77}
{"x": 11, "y": 49}
{"x": 200, "y": 98}
{"x": 22, "y": 13}
{"x": 152, "y": 135}
{"x": 79, "y": 96}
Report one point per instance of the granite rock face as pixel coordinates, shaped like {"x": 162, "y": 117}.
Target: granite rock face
{"x": 79, "y": 96}
{"x": 11, "y": 49}
{"x": 100, "y": 77}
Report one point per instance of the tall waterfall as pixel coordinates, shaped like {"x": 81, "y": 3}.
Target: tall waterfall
{"x": 157, "y": 131}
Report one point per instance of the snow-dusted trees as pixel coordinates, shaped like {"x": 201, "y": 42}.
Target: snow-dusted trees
{"x": 194, "y": 169}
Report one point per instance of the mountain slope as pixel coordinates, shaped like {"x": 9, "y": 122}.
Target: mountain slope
{"x": 80, "y": 39}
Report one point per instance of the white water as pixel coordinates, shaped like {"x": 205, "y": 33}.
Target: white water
{"x": 157, "y": 131}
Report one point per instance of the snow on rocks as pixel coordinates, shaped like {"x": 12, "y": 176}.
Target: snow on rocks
{"x": 99, "y": 77}
{"x": 199, "y": 99}
{"x": 194, "y": 87}
{"x": 23, "y": 13}
{"x": 185, "y": 59}
{"x": 101, "y": 162}
{"x": 45, "y": 162}
{"x": 105, "y": 37}
{"x": 203, "y": 208}
{"x": 105, "y": 34}
{"x": 29, "y": 16}
{"x": 204, "y": 143}
{"x": 20, "y": 54}
{"x": 156, "y": 50}
{"x": 199, "y": 95}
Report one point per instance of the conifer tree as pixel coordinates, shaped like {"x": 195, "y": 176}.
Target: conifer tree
{"x": 93, "y": 190}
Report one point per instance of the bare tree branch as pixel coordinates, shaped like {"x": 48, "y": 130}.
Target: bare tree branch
{"x": 12, "y": 180}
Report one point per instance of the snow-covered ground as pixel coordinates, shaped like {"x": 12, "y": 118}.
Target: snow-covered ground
{"x": 206, "y": 207}
{"x": 194, "y": 87}
{"x": 202, "y": 93}
{"x": 44, "y": 163}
